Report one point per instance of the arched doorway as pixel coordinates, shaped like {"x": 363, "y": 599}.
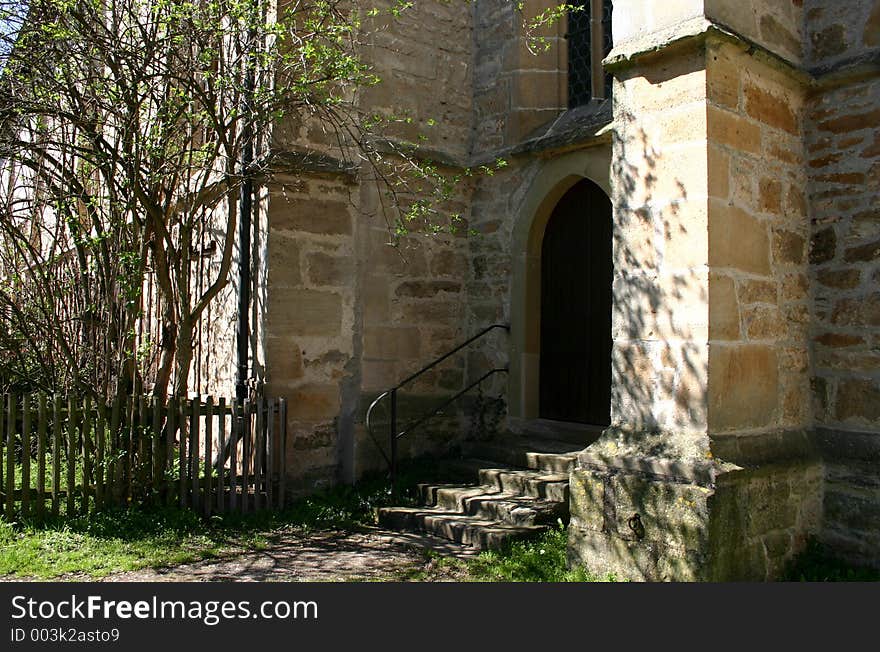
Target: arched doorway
{"x": 575, "y": 337}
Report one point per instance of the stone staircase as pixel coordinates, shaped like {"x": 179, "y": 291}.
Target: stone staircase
{"x": 521, "y": 490}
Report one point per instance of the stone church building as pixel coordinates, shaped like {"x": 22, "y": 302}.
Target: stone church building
{"x": 684, "y": 245}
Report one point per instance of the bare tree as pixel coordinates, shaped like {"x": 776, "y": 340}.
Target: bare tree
{"x": 128, "y": 129}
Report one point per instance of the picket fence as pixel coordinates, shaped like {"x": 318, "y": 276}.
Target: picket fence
{"x": 71, "y": 455}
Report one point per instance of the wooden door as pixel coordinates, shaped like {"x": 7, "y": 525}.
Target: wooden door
{"x": 576, "y": 273}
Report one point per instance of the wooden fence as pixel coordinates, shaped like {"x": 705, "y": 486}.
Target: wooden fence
{"x": 71, "y": 456}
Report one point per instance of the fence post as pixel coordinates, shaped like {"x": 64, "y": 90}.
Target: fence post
{"x": 245, "y": 454}
{"x": 56, "y": 454}
{"x": 100, "y": 460}
{"x": 258, "y": 453}
{"x": 170, "y": 431}
{"x": 143, "y": 447}
{"x": 270, "y": 451}
{"x": 10, "y": 456}
{"x": 221, "y": 448}
{"x": 194, "y": 452}
{"x": 393, "y": 469}
{"x": 181, "y": 453}
{"x": 87, "y": 453}
{"x": 209, "y": 445}
{"x": 114, "y": 471}
{"x": 71, "y": 454}
{"x": 41, "y": 455}
{"x": 157, "y": 458}
{"x": 26, "y": 455}
{"x": 233, "y": 453}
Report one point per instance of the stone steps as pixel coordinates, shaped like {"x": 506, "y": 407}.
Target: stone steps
{"x": 521, "y": 490}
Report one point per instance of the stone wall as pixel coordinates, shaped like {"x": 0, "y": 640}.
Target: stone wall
{"x": 758, "y": 234}
{"x": 844, "y": 177}
{"x": 712, "y": 372}
{"x": 518, "y": 88}
{"x": 660, "y": 293}
{"x": 777, "y": 25}
{"x": 348, "y": 315}
{"x": 838, "y": 32}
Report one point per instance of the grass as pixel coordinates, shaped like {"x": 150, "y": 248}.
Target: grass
{"x": 542, "y": 559}
{"x": 129, "y": 539}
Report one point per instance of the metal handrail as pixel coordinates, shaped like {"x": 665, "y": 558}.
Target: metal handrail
{"x": 391, "y": 393}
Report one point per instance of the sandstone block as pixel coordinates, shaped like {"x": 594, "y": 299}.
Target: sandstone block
{"x": 843, "y": 279}
{"x": 743, "y": 386}
{"x": 304, "y": 312}
{"x": 764, "y": 322}
{"x": 392, "y": 343}
{"x": 427, "y": 289}
{"x": 719, "y": 173}
{"x": 284, "y": 261}
{"x": 724, "y": 319}
{"x": 757, "y": 292}
{"x": 858, "y": 399}
{"x": 736, "y": 239}
{"x": 788, "y": 247}
{"x": 313, "y": 402}
{"x": 727, "y": 128}
{"x": 770, "y": 109}
{"x": 320, "y": 216}
{"x": 770, "y": 195}
{"x": 330, "y": 270}
{"x": 823, "y": 246}
{"x": 283, "y": 360}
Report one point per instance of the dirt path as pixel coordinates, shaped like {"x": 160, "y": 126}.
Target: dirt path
{"x": 372, "y": 555}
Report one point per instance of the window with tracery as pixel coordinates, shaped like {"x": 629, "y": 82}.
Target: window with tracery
{"x": 589, "y": 41}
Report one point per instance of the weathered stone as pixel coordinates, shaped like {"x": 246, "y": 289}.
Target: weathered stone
{"x": 770, "y": 195}
{"x": 871, "y": 34}
{"x": 823, "y": 246}
{"x": 839, "y": 339}
{"x": 448, "y": 263}
{"x": 863, "y": 253}
{"x": 858, "y": 399}
{"x": 306, "y": 312}
{"x": 757, "y": 292}
{"x": 330, "y": 270}
{"x": 426, "y": 289}
{"x": 284, "y": 260}
{"x": 770, "y": 109}
{"x": 788, "y": 247}
{"x": 742, "y": 375}
{"x": 736, "y": 239}
{"x": 284, "y": 361}
{"x": 314, "y": 402}
{"x": 392, "y": 343}
{"x": 320, "y": 216}
{"x": 839, "y": 278}
{"x": 830, "y": 42}
{"x": 728, "y": 128}
{"x": 851, "y": 122}
{"x": 778, "y": 35}
{"x": 841, "y": 177}
{"x": 795, "y": 287}
{"x": 764, "y": 323}
{"x": 719, "y": 173}
{"x": 857, "y": 311}
{"x": 723, "y": 309}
